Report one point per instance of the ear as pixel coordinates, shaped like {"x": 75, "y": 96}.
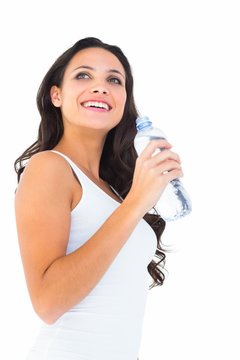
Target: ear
{"x": 55, "y": 94}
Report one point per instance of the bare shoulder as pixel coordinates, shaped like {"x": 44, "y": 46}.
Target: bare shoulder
{"x": 47, "y": 161}
{"x": 47, "y": 168}
{"x": 46, "y": 175}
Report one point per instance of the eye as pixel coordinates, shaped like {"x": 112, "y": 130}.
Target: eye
{"x": 115, "y": 80}
{"x": 82, "y": 75}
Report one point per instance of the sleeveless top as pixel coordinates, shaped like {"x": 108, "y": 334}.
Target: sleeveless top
{"x": 107, "y": 323}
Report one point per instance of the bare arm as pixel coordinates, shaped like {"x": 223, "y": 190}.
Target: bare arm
{"x": 56, "y": 281}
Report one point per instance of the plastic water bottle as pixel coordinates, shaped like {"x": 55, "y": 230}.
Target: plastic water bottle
{"x": 174, "y": 202}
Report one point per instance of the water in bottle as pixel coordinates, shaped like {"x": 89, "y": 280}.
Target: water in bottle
{"x": 174, "y": 202}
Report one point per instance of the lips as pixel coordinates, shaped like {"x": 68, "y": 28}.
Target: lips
{"x": 97, "y": 104}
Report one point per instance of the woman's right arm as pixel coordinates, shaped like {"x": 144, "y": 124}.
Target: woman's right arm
{"x": 56, "y": 281}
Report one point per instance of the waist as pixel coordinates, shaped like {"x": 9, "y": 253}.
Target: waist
{"x": 88, "y": 336}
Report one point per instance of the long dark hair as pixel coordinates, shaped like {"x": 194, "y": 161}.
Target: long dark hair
{"x": 118, "y": 157}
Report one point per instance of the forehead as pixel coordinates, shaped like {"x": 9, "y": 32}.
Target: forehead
{"x": 98, "y": 58}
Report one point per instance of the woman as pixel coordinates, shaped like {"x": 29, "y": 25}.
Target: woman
{"x": 80, "y": 205}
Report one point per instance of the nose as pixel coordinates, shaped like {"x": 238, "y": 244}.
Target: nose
{"x": 99, "y": 89}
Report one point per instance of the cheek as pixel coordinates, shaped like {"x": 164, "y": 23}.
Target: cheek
{"x": 73, "y": 90}
{"x": 122, "y": 98}
{"x": 122, "y": 103}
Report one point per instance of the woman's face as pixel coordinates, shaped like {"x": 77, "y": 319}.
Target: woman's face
{"x": 93, "y": 92}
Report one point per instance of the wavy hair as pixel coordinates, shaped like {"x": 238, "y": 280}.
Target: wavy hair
{"x": 119, "y": 155}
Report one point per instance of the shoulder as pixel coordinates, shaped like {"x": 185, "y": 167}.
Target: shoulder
{"x": 46, "y": 169}
{"x": 47, "y": 163}
{"x": 47, "y": 159}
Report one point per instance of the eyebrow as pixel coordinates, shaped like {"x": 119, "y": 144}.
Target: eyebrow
{"x": 91, "y": 68}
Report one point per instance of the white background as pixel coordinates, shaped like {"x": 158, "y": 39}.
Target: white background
{"x": 186, "y": 64}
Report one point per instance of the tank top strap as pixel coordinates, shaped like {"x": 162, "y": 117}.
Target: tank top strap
{"x": 76, "y": 170}
{"x": 82, "y": 177}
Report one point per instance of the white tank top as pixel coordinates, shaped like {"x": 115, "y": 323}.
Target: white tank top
{"x": 107, "y": 323}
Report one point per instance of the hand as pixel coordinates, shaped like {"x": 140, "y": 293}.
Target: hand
{"x": 153, "y": 171}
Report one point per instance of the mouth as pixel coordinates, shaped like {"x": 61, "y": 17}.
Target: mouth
{"x": 100, "y": 105}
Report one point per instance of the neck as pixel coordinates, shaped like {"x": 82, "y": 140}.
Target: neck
{"x": 85, "y": 150}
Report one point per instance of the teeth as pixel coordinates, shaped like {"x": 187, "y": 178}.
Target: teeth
{"x": 96, "y": 104}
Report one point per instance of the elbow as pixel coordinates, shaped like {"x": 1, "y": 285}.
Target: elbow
{"x": 47, "y": 313}
{"x": 48, "y": 319}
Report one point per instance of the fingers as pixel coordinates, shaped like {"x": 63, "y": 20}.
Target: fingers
{"x": 165, "y": 163}
{"x": 163, "y": 156}
{"x": 153, "y": 171}
{"x": 152, "y": 146}
{"x": 167, "y": 166}
{"x": 155, "y": 159}
{"x": 171, "y": 175}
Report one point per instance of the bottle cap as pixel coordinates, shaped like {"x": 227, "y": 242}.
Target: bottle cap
{"x": 143, "y": 122}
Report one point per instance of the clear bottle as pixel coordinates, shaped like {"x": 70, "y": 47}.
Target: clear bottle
{"x": 174, "y": 202}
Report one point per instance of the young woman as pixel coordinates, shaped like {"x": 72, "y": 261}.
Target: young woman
{"x": 86, "y": 236}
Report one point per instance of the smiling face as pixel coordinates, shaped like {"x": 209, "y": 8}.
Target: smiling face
{"x": 92, "y": 93}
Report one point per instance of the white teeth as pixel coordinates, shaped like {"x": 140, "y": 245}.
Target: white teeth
{"x": 96, "y": 104}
